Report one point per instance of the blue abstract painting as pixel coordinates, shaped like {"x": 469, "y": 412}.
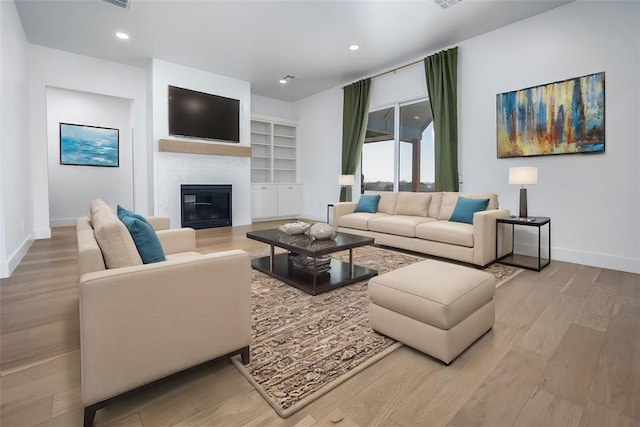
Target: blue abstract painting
{"x": 84, "y": 145}
{"x": 556, "y": 118}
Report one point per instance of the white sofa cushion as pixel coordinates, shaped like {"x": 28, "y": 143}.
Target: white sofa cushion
{"x": 416, "y": 204}
{"x": 434, "y": 205}
{"x": 454, "y": 233}
{"x": 358, "y": 220}
{"x": 116, "y": 244}
{"x": 95, "y": 205}
{"x": 401, "y": 225}
{"x": 387, "y": 203}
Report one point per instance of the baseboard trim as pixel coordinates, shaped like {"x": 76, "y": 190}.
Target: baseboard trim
{"x": 62, "y": 222}
{"x": 612, "y": 262}
{"x": 7, "y": 267}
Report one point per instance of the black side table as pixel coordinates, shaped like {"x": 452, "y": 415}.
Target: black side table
{"x": 539, "y": 222}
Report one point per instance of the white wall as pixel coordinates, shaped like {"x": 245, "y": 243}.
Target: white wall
{"x": 55, "y": 68}
{"x": 173, "y": 169}
{"x": 320, "y": 151}
{"x": 592, "y": 199}
{"x": 16, "y": 207}
{"x": 68, "y": 200}
{"x": 272, "y": 107}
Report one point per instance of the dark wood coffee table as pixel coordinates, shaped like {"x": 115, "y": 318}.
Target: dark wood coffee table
{"x": 310, "y": 280}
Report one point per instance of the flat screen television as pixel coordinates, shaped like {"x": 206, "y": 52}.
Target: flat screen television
{"x": 202, "y": 115}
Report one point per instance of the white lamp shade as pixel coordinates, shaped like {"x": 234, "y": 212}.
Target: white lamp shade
{"x": 523, "y": 175}
{"x": 347, "y": 180}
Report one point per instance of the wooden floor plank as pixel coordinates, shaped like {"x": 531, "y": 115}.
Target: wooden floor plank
{"x": 546, "y": 409}
{"x": 546, "y": 333}
{"x": 500, "y": 398}
{"x": 442, "y": 392}
{"x": 42, "y": 342}
{"x": 27, "y": 413}
{"x": 595, "y": 415}
{"x": 598, "y": 307}
{"x": 376, "y": 402}
{"x": 570, "y": 371}
{"x": 196, "y": 395}
{"x": 582, "y": 281}
{"x": 617, "y": 377}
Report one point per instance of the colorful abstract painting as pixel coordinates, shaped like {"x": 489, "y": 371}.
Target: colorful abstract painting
{"x": 83, "y": 145}
{"x": 556, "y": 118}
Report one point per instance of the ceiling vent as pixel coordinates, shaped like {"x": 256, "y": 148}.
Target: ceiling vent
{"x": 445, "y": 4}
{"x": 122, "y": 3}
{"x": 286, "y": 79}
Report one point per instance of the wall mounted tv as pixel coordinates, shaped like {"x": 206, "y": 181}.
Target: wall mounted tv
{"x": 202, "y": 115}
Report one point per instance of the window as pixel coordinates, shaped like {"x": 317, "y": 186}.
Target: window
{"x": 401, "y": 160}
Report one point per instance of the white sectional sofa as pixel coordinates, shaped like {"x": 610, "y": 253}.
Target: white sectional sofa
{"x": 419, "y": 222}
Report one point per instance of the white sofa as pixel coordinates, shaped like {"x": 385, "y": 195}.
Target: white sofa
{"x": 419, "y": 222}
{"x": 143, "y": 322}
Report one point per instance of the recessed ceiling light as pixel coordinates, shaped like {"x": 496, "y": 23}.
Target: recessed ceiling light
{"x": 354, "y": 47}
{"x": 121, "y": 35}
{"x": 286, "y": 79}
{"x": 416, "y": 117}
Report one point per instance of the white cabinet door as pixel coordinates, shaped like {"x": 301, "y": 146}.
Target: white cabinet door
{"x": 289, "y": 199}
{"x": 264, "y": 200}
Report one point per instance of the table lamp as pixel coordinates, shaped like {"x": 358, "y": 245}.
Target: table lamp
{"x": 347, "y": 181}
{"x": 523, "y": 175}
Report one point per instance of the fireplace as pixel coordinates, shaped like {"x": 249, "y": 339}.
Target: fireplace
{"x": 205, "y": 206}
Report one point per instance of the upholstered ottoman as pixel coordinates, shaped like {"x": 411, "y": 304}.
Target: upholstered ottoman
{"x": 433, "y": 306}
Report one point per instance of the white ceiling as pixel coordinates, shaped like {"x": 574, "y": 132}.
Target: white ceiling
{"x": 262, "y": 41}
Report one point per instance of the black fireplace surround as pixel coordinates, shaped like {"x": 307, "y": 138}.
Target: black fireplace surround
{"x": 205, "y": 206}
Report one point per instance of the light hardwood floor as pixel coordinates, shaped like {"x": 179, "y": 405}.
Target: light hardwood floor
{"x": 565, "y": 350}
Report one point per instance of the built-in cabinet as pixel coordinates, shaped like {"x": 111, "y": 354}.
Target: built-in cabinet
{"x": 289, "y": 199}
{"x": 275, "y": 200}
{"x": 264, "y": 200}
{"x": 274, "y": 190}
{"x": 273, "y": 152}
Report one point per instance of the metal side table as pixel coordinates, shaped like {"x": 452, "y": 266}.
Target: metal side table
{"x": 512, "y": 258}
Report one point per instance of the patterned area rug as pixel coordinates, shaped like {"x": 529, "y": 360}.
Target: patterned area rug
{"x": 302, "y": 346}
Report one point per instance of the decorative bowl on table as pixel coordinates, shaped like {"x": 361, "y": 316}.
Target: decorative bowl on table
{"x": 322, "y": 231}
{"x": 292, "y": 228}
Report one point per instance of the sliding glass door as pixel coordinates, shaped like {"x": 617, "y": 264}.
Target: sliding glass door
{"x": 398, "y": 149}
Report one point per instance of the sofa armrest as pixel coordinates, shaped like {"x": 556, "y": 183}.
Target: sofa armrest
{"x": 177, "y": 240}
{"x": 484, "y": 236}
{"x": 159, "y": 222}
{"x": 142, "y": 323}
{"x": 342, "y": 208}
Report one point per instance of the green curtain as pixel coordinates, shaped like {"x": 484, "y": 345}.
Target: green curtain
{"x": 355, "y": 115}
{"x": 441, "y": 70}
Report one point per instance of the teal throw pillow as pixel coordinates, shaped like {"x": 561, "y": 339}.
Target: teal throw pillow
{"x": 465, "y": 208}
{"x": 368, "y": 203}
{"x": 144, "y": 236}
